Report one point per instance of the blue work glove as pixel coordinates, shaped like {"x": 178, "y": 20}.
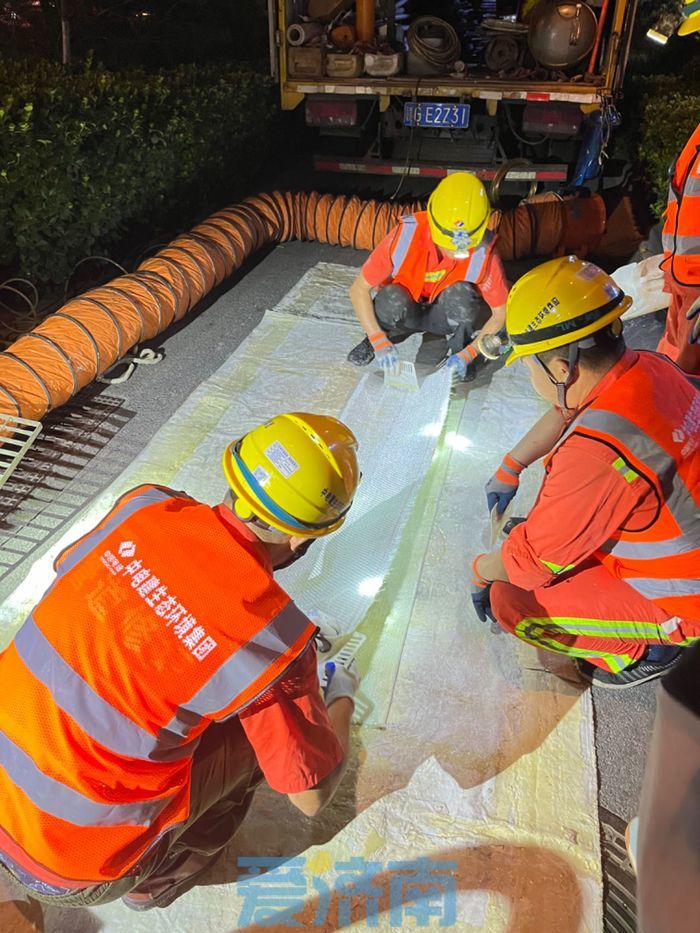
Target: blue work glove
{"x": 504, "y": 483}
{"x": 694, "y": 312}
{"x": 459, "y": 363}
{"x": 385, "y": 352}
{"x": 481, "y": 600}
{"x": 338, "y": 681}
{"x": 481, "y": 594}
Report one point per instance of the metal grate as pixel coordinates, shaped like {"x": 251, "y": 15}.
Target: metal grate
{"x": 620, "y": 898}
{"x": 16, "y": 437}
{"x": 52, "y": 482}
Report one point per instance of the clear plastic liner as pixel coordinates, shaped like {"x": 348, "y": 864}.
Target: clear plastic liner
{"x": 397, "y": 433}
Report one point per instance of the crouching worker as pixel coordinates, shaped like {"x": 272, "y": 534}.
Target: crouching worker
{"x": 165, "y": 673}
{"x": 605, "y": 567}
{"x": 436, "y": 272}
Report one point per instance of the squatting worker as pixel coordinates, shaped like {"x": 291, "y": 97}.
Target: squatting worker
{"x": 165, "y": 672}
{"x": 605, "y": 566}
{"x": 436, "y": 272}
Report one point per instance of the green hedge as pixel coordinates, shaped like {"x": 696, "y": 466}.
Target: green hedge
{"x": 669, "y": 113}
{"x": 88, "y": 157}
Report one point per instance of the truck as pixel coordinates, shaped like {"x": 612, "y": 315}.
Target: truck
{"x": 527, "y": 127}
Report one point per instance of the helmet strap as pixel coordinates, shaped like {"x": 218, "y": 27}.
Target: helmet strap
{"x": 563, "y": 387}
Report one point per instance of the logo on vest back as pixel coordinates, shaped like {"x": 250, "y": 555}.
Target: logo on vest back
{"x": 155, "y": 594}
{"x": 688, "y": 433}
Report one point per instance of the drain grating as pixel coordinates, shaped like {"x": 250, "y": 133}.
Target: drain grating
{"x": 50, "y": 485}
{"x": 620, "y": 898}
{"x": 16, "y": 437}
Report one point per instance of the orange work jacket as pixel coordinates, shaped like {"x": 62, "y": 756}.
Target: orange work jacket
{"x": 159, "y": 622}
{"x": 409, "y": 257}
{"x": 651, "y": 417}
{"x": 681, "y": 232}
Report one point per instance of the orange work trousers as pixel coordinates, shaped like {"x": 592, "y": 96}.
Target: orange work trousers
{"x": 592, "y": 615}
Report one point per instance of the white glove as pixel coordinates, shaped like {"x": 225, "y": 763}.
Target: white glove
{"x": 338, "y": 682}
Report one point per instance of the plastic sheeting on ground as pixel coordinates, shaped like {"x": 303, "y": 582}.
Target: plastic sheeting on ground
{"x": 474, "y": 752}
{"x": 644, "y": 283}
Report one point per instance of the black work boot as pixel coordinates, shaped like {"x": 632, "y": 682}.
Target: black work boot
{"x": 640, "y": 672}
{"x": 362, "y": 354}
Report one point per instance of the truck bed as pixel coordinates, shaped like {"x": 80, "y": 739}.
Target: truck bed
{"x": 483, "y": 87}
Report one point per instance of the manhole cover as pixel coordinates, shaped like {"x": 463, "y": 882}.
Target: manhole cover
{"x": 620, "y": 898}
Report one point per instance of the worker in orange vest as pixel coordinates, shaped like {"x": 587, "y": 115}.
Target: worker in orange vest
{"x": 165, "y": 673}
{"x": 680, "y": 262}
{"x": 436, "y": 272}
{"x": 605, "y": 566}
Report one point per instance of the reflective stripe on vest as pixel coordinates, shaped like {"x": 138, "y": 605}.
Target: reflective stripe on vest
{"x": 691, "y": 188}
{"x": 408, "y": 227}
{"x": 660, "y": 587}
{"x": 246, "y": 665}
{"x": 98, "y": 718}
{"x": 681, "y": 245}
{"x": 61, "y": 801}
{"x": 679, "y": 502}
{"x": 478, "y": 258}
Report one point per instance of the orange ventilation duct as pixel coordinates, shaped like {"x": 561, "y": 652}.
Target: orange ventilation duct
{"x": 73, "y": 346}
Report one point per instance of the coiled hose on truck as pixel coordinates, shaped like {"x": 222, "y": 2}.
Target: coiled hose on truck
{"x": 70, "y": 348}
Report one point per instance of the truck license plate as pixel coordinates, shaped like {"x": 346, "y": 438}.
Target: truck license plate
{"x": 453, "y": 116}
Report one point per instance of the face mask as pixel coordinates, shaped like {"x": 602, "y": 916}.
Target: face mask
{"x": 461, "y": 243}
{"x": 300, "y": 551}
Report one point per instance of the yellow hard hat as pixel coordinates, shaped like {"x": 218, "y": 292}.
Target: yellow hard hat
{"x": 458, "y": 213}
{"x": 691, "y": 17}
{"x": 559, "y": 303}
{"x": 297, "y": 474}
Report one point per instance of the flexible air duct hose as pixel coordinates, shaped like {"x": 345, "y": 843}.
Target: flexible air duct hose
{"x": 550, "y": 228}
{"x": 73, "y": 346}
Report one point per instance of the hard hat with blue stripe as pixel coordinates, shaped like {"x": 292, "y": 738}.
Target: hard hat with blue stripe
{"x": 297, "y": 474}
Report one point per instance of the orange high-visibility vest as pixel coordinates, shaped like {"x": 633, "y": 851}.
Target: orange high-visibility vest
{"x": 681, "y": 233}
{"x": 159, "y": 622}
{"x": 409, "y": 257}
{"x": 651, "y": 417}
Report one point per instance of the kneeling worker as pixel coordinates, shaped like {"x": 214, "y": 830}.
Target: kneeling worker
{"x": 164, "y": 673}
{"x": 605, "y": 566}
{"x": 436, "y": 272}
